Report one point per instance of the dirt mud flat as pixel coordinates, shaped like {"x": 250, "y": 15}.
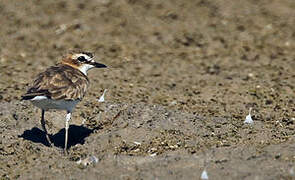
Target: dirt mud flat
{"x": 182, "y": 78}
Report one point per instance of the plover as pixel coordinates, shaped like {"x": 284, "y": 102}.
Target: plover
{"x": 62, "y": 86}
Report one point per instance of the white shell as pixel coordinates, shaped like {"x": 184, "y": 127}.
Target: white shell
{"x": 101, "y": 99}
{"x": 248, "y": 119}
{"x": 204, "y": 175}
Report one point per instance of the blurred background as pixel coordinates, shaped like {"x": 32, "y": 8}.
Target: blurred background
{"x": 161, "y": 51}
{"x": 190, "y": 54}
{"x": 211, "y": 58}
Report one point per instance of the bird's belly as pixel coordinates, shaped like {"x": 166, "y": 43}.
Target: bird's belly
{"x": 47, "y": 104}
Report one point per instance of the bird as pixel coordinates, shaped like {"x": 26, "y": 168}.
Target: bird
{"x": 62, "y": 87}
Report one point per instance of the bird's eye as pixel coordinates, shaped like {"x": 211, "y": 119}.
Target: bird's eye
{"x": 81, "y": 59}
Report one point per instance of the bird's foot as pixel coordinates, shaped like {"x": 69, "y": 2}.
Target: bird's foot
{"x": 65, "y": 151}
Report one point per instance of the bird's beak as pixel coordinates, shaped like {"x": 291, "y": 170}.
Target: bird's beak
{"x": 98, "y": 65}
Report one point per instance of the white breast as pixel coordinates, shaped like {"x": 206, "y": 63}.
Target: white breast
{"x": 46, "y": 104}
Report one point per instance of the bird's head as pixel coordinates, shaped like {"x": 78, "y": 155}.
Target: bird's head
{"x": 82, "y": 61}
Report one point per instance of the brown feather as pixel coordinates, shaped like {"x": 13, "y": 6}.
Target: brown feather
{"x": 59, "y": 82}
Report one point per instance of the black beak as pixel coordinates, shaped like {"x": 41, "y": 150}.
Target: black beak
{"x": 98, "y": 65}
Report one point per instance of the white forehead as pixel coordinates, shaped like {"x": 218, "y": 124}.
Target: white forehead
{"x": 75, "y": 56}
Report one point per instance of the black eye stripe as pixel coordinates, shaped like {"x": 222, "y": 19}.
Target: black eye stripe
{"x": 81, "y": 59}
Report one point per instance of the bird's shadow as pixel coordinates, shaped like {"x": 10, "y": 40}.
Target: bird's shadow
{"x": 77, "y": 135}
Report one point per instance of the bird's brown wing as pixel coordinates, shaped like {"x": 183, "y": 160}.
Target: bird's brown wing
{"x": 59, "y": 82}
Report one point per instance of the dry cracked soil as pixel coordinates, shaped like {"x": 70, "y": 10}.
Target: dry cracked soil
{"x": 182, "y": 77}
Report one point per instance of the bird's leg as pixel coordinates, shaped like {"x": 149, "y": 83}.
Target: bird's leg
{"x": 44, "y": 128}
{"x": 68, "y": 118}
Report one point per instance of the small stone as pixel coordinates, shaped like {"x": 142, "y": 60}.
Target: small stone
{"x": 87, "y": 161}
{"x": 250, "y": 75}
{"x": 173, "y": 103}
{"x": 153, "y": 155}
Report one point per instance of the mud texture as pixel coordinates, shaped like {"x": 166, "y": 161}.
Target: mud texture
{"x": 182, "y": 78}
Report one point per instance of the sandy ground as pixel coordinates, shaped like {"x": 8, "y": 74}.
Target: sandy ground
{"x": 182, "y": 78}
